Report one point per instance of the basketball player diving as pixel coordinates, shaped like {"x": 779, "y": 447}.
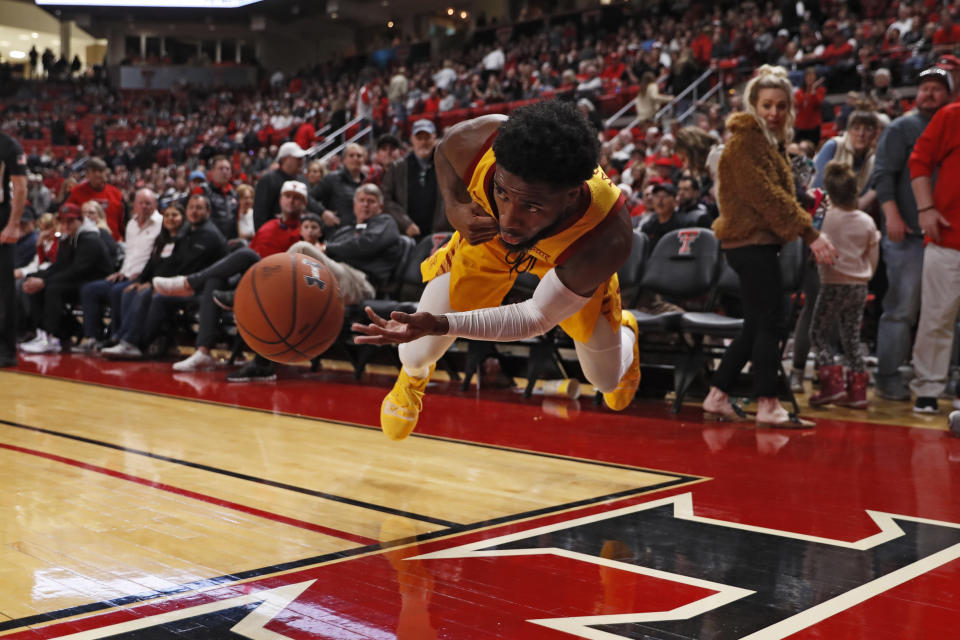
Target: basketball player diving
{"x": 523, "y": 193}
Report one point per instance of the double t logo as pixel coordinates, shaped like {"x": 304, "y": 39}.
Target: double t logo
{"x": 760, "y": 583}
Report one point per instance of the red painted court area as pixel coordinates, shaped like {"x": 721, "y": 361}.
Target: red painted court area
{"x": 850, "y": 530}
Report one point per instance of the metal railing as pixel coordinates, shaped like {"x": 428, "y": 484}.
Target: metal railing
{"x": 672, "y": 105}
{"x": 317, "y": 149}
{"x": 696, "y": 103}
{"x": 365, "y": 131}
{"x": 631, "y": 104}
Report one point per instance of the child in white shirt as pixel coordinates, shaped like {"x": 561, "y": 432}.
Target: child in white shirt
{"x": 843, "y": 290}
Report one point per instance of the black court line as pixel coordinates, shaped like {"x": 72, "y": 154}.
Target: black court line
{"x": 344, "y": 423}
{"x": 242, "y": 476}
{"x": 60, "y": 614}
{"x": 677, "y": 479}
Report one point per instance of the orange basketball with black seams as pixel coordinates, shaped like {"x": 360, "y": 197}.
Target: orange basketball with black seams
{"x": 288, "y": 308}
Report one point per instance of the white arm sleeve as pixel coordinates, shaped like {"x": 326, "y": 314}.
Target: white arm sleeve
{"x": 551, "y": 303}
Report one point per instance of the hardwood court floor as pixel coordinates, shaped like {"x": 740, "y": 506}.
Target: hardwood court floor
{"x": 144, "y": 504}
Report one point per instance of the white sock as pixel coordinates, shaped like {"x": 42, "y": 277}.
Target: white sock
{"x": 627, "y": 339}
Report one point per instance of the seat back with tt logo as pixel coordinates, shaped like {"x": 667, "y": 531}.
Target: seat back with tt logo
{"x": 684, "y": 264}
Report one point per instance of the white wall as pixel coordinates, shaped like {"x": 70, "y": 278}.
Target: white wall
{"x": 19, "y": 20}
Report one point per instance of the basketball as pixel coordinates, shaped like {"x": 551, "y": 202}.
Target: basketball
{"x": 288, "y": 308}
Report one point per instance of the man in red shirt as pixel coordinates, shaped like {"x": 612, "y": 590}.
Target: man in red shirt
{"x": 702, "y": 46}
{"x": 947, "y": 36}
{"x": 95, "y": 188}
{"x": 937, "y": 151}
{"x": 275, "y": 236}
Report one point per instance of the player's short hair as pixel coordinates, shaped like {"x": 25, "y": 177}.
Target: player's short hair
{"x": 548, "y": 142}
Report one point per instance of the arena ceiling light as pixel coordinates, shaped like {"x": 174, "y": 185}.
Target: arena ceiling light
{"x": 167, "y": 4}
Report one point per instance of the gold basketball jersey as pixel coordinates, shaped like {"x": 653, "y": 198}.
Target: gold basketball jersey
{"x": 481, "y": 275}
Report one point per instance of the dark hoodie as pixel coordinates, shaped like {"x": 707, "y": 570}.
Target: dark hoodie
{"x": 81, "y": 258}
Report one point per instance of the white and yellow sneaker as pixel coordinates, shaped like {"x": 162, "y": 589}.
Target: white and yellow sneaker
{"x": 621, "y": 397}
{"x": 401, "y": 408}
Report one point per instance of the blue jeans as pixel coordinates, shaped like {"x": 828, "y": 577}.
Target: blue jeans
{"x": 134, "y": 306}
{"x": 93, "y": 295}
{"x": 901, "y": 305}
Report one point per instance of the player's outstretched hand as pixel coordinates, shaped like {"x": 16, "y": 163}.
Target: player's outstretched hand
{"x": 401, "y": 327}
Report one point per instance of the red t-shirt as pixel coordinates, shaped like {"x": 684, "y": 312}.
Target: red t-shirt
{"x": 702, "y": 47}
{"x": 809, "y": 108}
{"x": 937, "y": 148}
{"x": 48, "y": 253}
{"x": 833, "y": 54}
{"x": 274, "y": 237}
{"x": 942, "y": 36}
{"x": 109, "y": 198}
{"x": 305, "y": 136}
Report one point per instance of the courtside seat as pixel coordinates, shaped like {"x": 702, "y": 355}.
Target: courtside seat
{"x": 711, "y": 323}
{"x": 631, "y": 273}
{"x": 684, "y": 265}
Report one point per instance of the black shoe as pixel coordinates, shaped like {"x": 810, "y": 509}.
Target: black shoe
{"x": 254, "y": 372}
{"x": 926, "y": 404}
{"x": 8, "y": 361}
{"x": 223, "y": 299}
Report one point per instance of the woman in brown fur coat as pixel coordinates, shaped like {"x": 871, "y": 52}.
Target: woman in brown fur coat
{"x": 759, "y": 213}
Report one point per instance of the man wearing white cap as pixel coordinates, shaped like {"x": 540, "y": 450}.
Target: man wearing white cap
{"x": 266, "y": 198}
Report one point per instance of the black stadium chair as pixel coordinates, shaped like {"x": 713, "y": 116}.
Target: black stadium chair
{"x": 631, "y": 273}
{"x": 683, "y": 268}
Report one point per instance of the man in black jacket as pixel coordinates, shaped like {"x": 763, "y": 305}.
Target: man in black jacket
{"x": 266, "y": 196}
{"x": 223, "y": 199}
{"x": 335, "y": 191}
{"x": 82, "y": 257}
{"x": 372, "y": 244}
{"x": 409, "y": 185}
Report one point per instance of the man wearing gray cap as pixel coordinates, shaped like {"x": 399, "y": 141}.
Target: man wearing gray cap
{"x": 903, "y": 239}
{"x": 409, "y": 185}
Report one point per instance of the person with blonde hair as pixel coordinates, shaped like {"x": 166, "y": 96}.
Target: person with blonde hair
{"x": 649, "y": 99}
{"x": 245, "y": 230}
{"x": 92, "y": 211}
{"x": 759, "y": 213}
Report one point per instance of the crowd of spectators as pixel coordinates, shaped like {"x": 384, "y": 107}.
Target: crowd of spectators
{"x": 87, "y": 142}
